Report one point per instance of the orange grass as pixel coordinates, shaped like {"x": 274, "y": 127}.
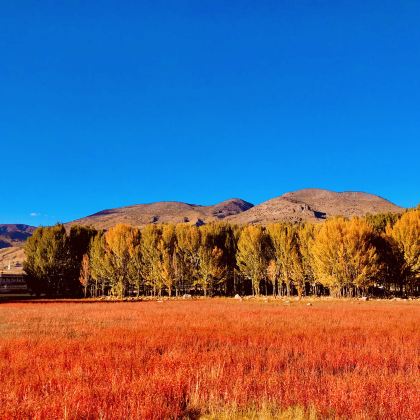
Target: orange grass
{"x": 191, "y": 358}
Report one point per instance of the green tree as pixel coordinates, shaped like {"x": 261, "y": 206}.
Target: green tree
{"x": 98, "y": 265}
{"x": 78, "y": 241}
{"x": 48, "y": 261}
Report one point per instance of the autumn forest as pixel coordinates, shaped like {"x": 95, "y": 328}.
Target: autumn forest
{"x": 375, "y": 255}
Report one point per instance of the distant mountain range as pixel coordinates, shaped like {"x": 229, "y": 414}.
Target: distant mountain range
{"x": 14, "y": 235}
{"x": 313, "y": 205}
{"x": 165, "y": 212}
{"x": 12, "y": 238}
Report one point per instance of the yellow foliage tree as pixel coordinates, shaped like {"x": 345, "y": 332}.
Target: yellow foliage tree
{"x": 187, "y": 258}
{"x": 151, "y": 258}
{"x": 121, "y": 244}
{"x": 406, "y": 234}
{"x": 286, "y": 253}
{"x": 252, "y": 255}
{"x": 212, "y": 269}
{"x": 84, "y": 276}
{"x": 273, "y": 274}
{"x": 344, "y": 257}
{"x": 167, "y": 245}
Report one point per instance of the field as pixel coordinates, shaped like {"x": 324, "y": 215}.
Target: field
{"x": 210, "y": 358}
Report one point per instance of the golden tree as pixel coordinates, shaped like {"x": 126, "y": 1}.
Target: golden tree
{"x": 151, "y": 257}
{"x": 212, "y": 269}
{"x": 406, "y": 234}
{"x": 97, "y": 263}
{"x": 273, "y": 274}
{"x": 84, "y": 276}
{"x": 252, "y": 255}
{"x": 344, "y": 256}
{"x": 121, "y": 244}
{"x": 167, "y": 267}
{"x": 286, "y": 254}
{"x": 305, "y": 235}
{"x": 187, "y": 259}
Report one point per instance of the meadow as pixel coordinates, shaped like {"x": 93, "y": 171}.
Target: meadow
{"x": 210, "y": 358}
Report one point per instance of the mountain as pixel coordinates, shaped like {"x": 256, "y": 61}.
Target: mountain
{"x": 14, "y": 234}
{"x": 165, "y": 212}
{"x": 315, "y": 205}
{"x": 303, "y": 205}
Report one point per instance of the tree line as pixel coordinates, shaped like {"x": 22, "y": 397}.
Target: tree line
{"x": 376, "y": 254}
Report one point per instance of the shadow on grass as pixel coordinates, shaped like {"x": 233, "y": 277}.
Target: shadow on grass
{"x": 15, "y": 298}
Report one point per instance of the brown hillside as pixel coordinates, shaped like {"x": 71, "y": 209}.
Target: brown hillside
{"x": 164, "y": 212}
{"x": 13, "y": 256}
{"x": 315, "y": 205}
{"x": 14, "y": 234}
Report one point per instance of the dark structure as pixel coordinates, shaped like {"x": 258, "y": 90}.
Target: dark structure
{"x": 13, "y": 283}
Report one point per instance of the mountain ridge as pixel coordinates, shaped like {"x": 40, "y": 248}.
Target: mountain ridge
{"x": 310, "y": 204}
{"x": 14, "y": 234}
{"x": 314, "y": 204}
{"x": 165, "y": 212}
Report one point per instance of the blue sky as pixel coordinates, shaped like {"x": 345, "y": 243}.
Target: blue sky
{"x": 113, "y": 103}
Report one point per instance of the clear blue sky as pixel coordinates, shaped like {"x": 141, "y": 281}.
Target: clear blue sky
{"x": 112, "y": 103}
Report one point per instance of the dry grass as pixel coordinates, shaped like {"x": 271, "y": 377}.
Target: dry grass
{"x": 14, "y": 256}
{"x": 210, "y": 359}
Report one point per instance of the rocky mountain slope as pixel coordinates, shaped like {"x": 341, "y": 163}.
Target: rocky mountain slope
{"x": 315, "y": 205}
{"x": 14, "y": 234}
{"x": 303, "y": 205}
{"x": 165, "y": 212}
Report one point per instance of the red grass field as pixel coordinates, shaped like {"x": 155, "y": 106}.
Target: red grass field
{"x": 211, "y": 358}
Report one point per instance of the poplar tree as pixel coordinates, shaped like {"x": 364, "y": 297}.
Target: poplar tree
{"x": 48, "y": 261}
{"x": 252, "y": 255}
{"x": 406, "y": 234}
{"x": 121, "y": 243}
{"x": 167, "y": 245}
{"x": 273, "y": 274}
{"x": 187, "y": 255}
{"x": 98, "y": 265}
{"x": 344, "y": 256}
{"x": 84, "y": 276}
{"x": 305, "y": 237}
{"x": 212, "y": 268}
{"x": 286, "y": 254}
{"x": 151, "y": 257}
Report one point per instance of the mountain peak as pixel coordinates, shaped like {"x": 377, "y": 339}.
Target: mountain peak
{"x": 313, "y": 204}
{"x": 165, "y": 212}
